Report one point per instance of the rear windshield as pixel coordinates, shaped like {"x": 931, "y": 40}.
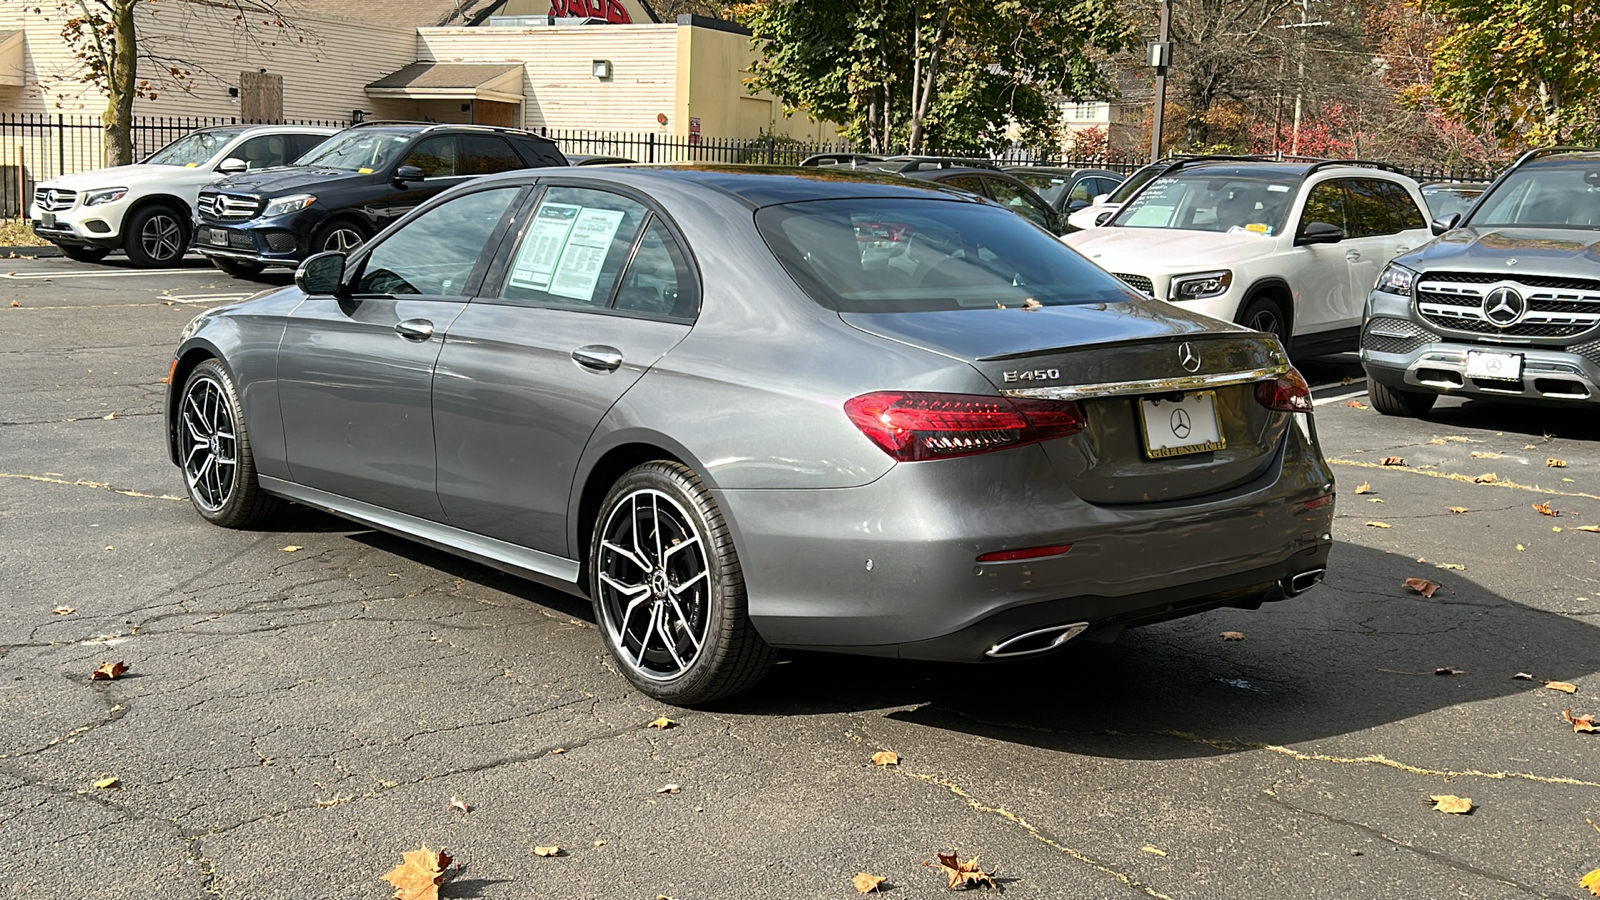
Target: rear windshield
{"x": 1560, "y": 195}
{"x": 914, "y": 255}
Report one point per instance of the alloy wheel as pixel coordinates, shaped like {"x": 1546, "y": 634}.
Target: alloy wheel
{"x": 162, "y": 238}
{"x": 342, "y": 240}
{"x": 209, "y": 443}
{"x": 1267, "y": 321}
{"x": 654, "y": 585}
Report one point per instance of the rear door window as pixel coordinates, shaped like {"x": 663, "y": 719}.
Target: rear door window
{"x": 573, "y": 249}
{"x": 1367, "y": 208}
{"x": 483, "y": 154}
{"x": 435, "y": 156}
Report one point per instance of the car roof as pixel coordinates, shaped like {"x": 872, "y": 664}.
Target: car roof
{"x": 1058, "y": 170}
{"x": 292, "y": 129}
{"x": 949, "y": 172}
{"x": 406, "y": 127}
{"x": 757, "y": 185}
{"x": 1568, "y": 157}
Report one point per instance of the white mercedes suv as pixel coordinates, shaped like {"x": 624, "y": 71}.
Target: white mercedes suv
{"x": 1290, "y": 247}
{"x": 145, "y": 209}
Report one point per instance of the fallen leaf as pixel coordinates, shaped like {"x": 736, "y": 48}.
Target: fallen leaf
{"x": 1592, "y": 882}
{"x": 419, "y": 877}
{"x": 63, "y": 610}
{"x": 1449, "y": 803}
{"x": 1031, "y": 304}
{"x": 1365, "y": 488}
{"x": 1520, "y": 548}
{"x": 1347, "y": 380}
{"x": 1556, "y": 529}
{"x": 106, "y": 782}
{"x": 1379, "y": 525}
{"x": 1454, "y": 566}
{"x": 667, "y": 789}
{"x": 1157, "y": 851}
{"x": 547, "y": 851}
{"x": 1562, "y": 686}
{"x": 1356, "y": 404}
{"x": 1554, "y": 463}
{"x": 1595, "y": 529}
{"x": 110, "y": 415}
{"x": 1544, "y": 509}
{"x": 1392, "y": 461}
{"x": 1486, "y": 478}
{"x": 1522, "y": 676}
{"x": 886, "y": 758}
{"x": 964, "y": 873}
{"x": 662, "y": 723}
{"x": 1422, "y": 586}
{"x": 867, "y": 883}
{"x": 1458, "y": 510}
{"x": 599, "y": 843}
{"x": 1374, "y": 499}
{"x": 458, "y": 803}
{"x": 1581, "y": 724}
{"x": 15, "y": 303}
{"x": 109, "y": 671}
{"x": 1446, "y": 670}
{"x": 1233, "y": 635}
{"x": 1484, "y": 454}
{"x": 292, "y": 548}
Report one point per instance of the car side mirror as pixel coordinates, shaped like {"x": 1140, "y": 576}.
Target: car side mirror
{"x": 1104, "y": 217}
{"x": 321, "y": 274}
{"x": 1075, "y": 205}
{"x": 233, "y": 165}
{"x": 1444, "y": 223}
{"x": 407, "y": 173}
{"x": 1101, "y": 198}
{"x": 1320, "y": 233}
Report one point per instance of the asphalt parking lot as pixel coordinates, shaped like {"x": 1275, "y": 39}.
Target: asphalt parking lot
{"x": 302, "y": 704}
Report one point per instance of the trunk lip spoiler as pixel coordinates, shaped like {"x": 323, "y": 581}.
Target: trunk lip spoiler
{"x": 1148, "y": 386}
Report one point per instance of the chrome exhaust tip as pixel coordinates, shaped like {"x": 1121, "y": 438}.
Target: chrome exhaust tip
{"x": 1304, "y": 581}
{"x": 1040, "y": 640}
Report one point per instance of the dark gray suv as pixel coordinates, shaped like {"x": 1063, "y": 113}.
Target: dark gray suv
{"x": 1505, "y": 303}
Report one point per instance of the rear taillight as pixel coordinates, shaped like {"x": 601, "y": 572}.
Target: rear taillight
{"x": 912, "y": 426}
{"x": 1288, "y": 393}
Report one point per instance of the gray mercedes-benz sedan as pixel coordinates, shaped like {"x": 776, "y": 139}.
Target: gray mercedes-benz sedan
{"x": 744, "y": 409}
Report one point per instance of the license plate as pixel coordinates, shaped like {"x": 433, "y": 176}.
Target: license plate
{"x": 1185, "y": 425}
{"x": 217, "y": 237}
{"x": 1494, "y": 366}
{"x": 47, "y": 220}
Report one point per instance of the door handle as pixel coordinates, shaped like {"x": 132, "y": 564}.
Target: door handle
{"x": 415, "y": 329}
{"x": 598, "y": 357}
{"x": 1401, "y": 249}
{"x": 1352, "y": 255}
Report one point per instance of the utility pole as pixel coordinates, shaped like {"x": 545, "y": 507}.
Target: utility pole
{"x": 1159, "y": 57}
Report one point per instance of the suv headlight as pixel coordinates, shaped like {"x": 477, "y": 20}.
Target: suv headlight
{"x": 1396, "y": 279}
{"x": 104, "y": 195}
{"x": 1200, "y": 285}
{"x": 290, "y": 204}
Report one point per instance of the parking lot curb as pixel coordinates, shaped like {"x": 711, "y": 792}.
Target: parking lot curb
{"x": 49, "y": 252}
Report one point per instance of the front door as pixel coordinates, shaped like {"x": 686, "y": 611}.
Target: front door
{"x": 1321, "y": 273}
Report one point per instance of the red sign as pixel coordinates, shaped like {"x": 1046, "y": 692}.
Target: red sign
{"x": 610, "y": 10}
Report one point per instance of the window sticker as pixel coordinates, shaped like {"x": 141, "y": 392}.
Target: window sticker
{"x": 578, "y": 272}
{"x": 1259, "y": 228}
{"x": 1278, "y": 188}
{"x": 536, "y": 259}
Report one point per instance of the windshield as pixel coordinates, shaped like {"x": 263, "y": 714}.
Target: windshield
{"x": 192, "y": 149}
{"x": 364, "y": 150}
{"x": 1201, "y": 200}
{"x": 914, "y": 255}
{"x": 1135, "y": 181}
{"x": 1443, "y": 201}
{"x": 1558, "y": 195}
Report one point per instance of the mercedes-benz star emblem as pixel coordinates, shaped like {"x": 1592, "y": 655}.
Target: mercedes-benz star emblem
{"x": 1180, "y": 423}
{"x": 1504, "y": 307}
{"x": 1188, "y": 358}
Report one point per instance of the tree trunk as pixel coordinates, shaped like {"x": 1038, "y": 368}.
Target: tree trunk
{"x": 121, "y": 85}
{"x": 928, "y": 80}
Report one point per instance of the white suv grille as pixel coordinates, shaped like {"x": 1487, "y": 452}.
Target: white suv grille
{"x": 55, "y": 199}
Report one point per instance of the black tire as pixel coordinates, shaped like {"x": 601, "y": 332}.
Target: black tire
{"x": 1395, "y": 402}
{"x": 238, "y": 268}
{"x": 696, "y": 590}
{"x": 83, "y": 254}
{"x": 343, "y": 235}
{"x": 155, "y": 236}
{"x": 210, "y": 424}
{"x": 1264, "y": 314}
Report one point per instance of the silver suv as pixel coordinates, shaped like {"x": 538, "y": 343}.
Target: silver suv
{"x": 1505, "y": 303}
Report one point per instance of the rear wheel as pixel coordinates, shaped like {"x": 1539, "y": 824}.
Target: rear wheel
{"x": 83, "y": 254}
{"x": 342, "y": 236}
{"x": 239, "y": 268}
{"x": 214, "y": 448}
{"x": 1395, "y": 402}
{"x": 155, "y": 236}
{"x": 1264, "y": 314}
{"x": 668, "y": 590}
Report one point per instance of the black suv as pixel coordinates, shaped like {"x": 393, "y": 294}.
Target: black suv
{"x": 349, "y": 188}
{"x": 1504, "y": 304}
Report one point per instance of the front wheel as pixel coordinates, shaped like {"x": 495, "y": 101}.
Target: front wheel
{"x": 83, "y": 254}
{"x": 342, "y": 237}
{"x": 214, "y": 448}
{"x": 1394, "y": 402}
{"x": 668, "y": 590}
{"x": 155, "y": 236}
{"x": 1263, "y": 314}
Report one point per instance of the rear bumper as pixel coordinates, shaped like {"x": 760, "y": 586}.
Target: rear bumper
{"x": 891, "y": 569}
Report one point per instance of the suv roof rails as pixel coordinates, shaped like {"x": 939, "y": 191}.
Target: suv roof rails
{"x": 1534, "y": 154}
{"x": 429, "y": 126}
{"x": 914, "y": 163}
{"x": 1359, "y": 163}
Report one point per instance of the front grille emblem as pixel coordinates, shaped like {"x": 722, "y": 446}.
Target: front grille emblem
{"x": 1504, "y": 307}
{"x": 1188, "y": 358}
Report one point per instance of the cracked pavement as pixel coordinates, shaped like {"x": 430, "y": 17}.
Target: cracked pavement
{"x": 293, "y": 721}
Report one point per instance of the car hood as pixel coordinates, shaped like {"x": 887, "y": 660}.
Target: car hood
{"x": 289, "y": 180}
{"x": 1548, "y": 251}
{"x": 1141, "y": 250}
{"x": 128, "y": 176}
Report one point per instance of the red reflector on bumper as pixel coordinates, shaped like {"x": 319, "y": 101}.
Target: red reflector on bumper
{"x": 1029, "y": 553}
{"x": 1318, "y": 503}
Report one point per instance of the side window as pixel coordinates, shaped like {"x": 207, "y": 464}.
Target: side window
{"x": 1325, "y": 203}
{"x": 965, "y": 183}
{"x": 483, "y": 154}
{"x": 658, "y": 281}
{"x": 1105, "y": 186}
{"x": 1008, "y": 195}
{"x": 544, "y": 154}
{"x": 1403, "y": 212}
{"x": 1082, "y": 190}
{"x": 573, "y": 248}
{"x": 266, "y": 150}
{"x": 301, "y": 144}
{"x": 1367, "y": 208}
{"x": 435, "y": 253}
{"x": 436, "y": 156}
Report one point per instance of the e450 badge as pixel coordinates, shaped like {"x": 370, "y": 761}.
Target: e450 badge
{"x": 1032, "y": 375}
